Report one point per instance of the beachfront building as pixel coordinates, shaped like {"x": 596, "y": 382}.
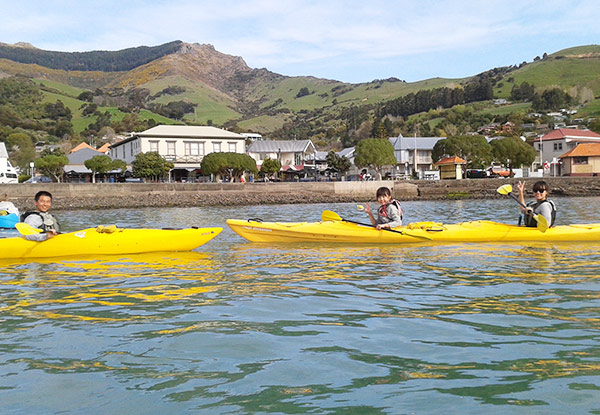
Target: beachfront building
{"x": 297, "y": 157}
{"x": 451, "y": 167}
{"x": 413, "y": 155}
{"x": 184, "y": 146}
{"x": 76, "y": 171}
{"x": 552, "y": 146}
{"x": 583, "y": 160}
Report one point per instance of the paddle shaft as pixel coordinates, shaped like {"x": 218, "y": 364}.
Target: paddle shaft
{"x": 518, "y": 201}
{"x": 383, "y": 229}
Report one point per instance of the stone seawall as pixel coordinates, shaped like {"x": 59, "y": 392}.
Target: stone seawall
{"x": 131, "y": 195}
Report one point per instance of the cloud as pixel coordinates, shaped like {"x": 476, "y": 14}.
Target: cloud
{"x": 282, "y": 34}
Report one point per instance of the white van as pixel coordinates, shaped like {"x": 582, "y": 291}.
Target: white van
{"x": 8, "y": 174}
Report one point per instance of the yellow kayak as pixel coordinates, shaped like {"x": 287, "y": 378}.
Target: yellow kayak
{"x": 96, "y": 241}
{"x": 419, "y": 232}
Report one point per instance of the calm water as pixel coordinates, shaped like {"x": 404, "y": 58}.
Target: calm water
{"x": 237, "y": 327}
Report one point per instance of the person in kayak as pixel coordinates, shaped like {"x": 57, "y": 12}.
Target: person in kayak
{"x": 541, "y": 205}
{"x": 389, "y": 214}
{"x": 40, "y": 218}
{"x": 6, "y": 207}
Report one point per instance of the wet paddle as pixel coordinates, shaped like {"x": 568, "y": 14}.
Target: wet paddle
{"x": 26, "y": 229}
{"x": 542, "y": 222}
{"x": 331, "y": 216}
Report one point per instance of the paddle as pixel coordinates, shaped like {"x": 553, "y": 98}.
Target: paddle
{"x": 542, "y": 222}
{"x": 26, "y": 229}
{"x": 329, "y": 215}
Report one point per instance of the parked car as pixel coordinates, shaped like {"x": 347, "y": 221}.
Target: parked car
{"x": 477, "y": 174}
{"x": 38, "y": 179}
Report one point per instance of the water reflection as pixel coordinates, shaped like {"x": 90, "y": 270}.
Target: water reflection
{"x": 238, "y": 327}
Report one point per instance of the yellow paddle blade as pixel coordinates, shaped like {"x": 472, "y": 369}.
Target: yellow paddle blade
{"x": 542, "y": 223}
{"x": 26, "y": 229}
{"x": 328, "y": 216}
{"x": 504, "y": 189}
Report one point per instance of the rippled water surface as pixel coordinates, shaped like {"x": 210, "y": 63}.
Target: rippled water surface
{"x": 237, "y": 327}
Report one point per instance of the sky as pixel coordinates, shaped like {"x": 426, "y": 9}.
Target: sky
{"x": 350, "y": 41}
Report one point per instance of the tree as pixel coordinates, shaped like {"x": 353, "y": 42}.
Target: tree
{"x": 512, "y": 152}
{"x": 103, "y": 164}
{"x": 475, "y": 150}
{"x": 150, "y": 165}
{"x": 52, "y": 165}
{"x": 337, "y": 163}
{"x": 374, "y": 153}
{"x": 270, "y": 166}
{"x": 20, "y": 149}
{"x": 233, "y": 164}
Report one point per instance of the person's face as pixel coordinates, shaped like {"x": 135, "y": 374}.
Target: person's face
{"x": 384, "y": 199}
{"x": 43, "y": 204}
{"x": 540, "y": 193}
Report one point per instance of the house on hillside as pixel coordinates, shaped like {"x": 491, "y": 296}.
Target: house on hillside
{"x": 297, "y": 157}
{"x": 451, "y": 167}
{"x": 184, "y": 146}
{"x": 583, "y": 160}
{"x": 413, "y": 154}
{"x": 553, "y": 145}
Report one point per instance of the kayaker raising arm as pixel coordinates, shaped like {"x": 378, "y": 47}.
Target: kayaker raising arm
{"x": 541, "y": 205}
{"x": 389, "y": 214}
{"x": 40, "y": 218}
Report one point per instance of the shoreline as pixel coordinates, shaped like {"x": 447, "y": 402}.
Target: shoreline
{"x": 69, "y": 196}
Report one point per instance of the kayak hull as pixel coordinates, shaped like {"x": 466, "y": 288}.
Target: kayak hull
{"x": 91, "y": 241}
{"x": 420, "y": 232}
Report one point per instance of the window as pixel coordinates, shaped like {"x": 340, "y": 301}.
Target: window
{"x": 557, "y": 146}
{"x": 580, "y": 160}
{"x": 154, "y": 146}
{"x": 297, "y": 158}
{"x": 232, "y": 148}
{"x": 201, "y": 149}
{"x": 170, "y": 148}
{"x": 191, "y": 149}
{"x": 216, "y": 146}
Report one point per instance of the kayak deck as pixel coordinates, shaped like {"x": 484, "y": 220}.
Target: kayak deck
{"x": 419, "y": 232}
{"x": 93, "y": 241}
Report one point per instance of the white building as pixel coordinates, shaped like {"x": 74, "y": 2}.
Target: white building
{"x": 295, "y": 156}
{"x": 184, "y": 146}
{"x": 552, "y": 146}
{"x": 8, "y": 174}
{"x": 413, "y": 154}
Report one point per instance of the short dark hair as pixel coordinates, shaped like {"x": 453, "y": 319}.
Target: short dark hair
{"x": 383, "y": 191}
{"x": 540, "y": 186}
{"x": 42, "y": 193}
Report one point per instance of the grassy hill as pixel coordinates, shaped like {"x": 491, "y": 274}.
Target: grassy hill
{"x": 224, "y": 91}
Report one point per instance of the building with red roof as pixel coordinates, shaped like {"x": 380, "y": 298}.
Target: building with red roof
{"x": 583, "y": 160}
{"x": 451, "y": 167}
{"x": 553, "y": 145}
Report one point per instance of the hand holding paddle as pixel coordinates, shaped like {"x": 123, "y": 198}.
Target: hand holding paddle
{"x": 542, "y": 222}
{"x": 331, "y": 216}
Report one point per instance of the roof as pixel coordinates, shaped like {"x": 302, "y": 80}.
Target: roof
{"x": 81, "y": 146}
{"x": 104, "y": 148}
{"x": 188, "y": 131}
{"x": 182, "y": 131}
{"x": 409, "y": 143}
{"x": 583, "y": 150}
{"x": 450, "y": 160}
{"x": 80, "y": 156}
{"x": 562, "y": 133}
{"x": 347, "y": 152}
{"x": 280, "y": 146}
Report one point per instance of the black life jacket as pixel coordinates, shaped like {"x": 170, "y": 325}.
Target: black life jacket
{"x": 382, "y": 211}
{"x": 45, "y": 227}
{"x": 532, "y": 223}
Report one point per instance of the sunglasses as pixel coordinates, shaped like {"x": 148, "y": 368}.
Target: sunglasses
{"x": 539, "y": 190}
